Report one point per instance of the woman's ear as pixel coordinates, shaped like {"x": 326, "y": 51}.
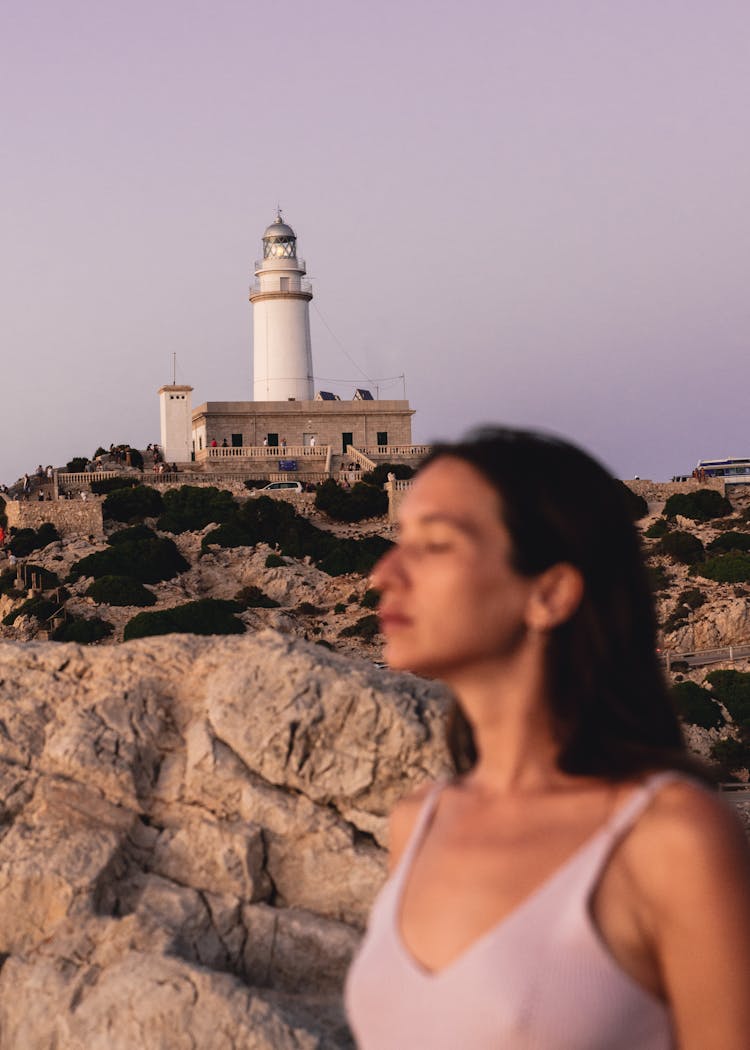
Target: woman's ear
{"x": 555, "y": 596}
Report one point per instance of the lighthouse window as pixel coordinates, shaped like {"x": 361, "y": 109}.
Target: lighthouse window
{"x": 382, "y": 437}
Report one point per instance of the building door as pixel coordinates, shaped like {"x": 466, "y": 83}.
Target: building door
{"x": 309, "y": 438}
{"x": 236, "y": 440}
{"x": 272, "y": 440}
{"x": 382, "y": 437}
{"x": 347, "y": 438}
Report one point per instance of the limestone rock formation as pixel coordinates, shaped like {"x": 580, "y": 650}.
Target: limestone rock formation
{"x": 192, "y": 834}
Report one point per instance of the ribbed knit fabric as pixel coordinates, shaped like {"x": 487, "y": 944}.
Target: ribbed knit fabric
{"x": 541, "y": 979}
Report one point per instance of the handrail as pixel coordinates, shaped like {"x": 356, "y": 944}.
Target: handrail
{"x": 262, "y": 452}
{"x": 397, "y": 450}
{"x": 359, "y": 457}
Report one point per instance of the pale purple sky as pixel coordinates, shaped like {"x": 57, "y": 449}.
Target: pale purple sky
{"x": 536, "y": 210}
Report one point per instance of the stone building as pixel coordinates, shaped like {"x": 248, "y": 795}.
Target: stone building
{"x": 287, "y": 429}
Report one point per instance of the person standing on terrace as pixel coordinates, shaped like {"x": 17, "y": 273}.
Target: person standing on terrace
{"x": 576, "y": 885}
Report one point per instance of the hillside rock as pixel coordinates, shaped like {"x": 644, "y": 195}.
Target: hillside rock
{"x": 191, "y": 837}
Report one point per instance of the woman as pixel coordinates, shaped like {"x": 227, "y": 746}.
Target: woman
{"x": 574, "y": 886}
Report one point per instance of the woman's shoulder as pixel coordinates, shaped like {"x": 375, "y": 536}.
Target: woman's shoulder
{"x": 688, "y": 829}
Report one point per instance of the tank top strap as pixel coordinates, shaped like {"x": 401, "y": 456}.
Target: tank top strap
{"x": 420, "y": 827}
{"x": 621, "y": 821}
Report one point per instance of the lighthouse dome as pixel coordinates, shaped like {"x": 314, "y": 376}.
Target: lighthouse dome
{"x": 279, "y": 228}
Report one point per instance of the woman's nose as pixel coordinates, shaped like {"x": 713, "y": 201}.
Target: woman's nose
{"x": 385, "y": 570}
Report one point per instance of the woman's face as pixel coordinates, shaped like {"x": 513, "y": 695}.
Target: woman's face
{"x": 449, "y": 596}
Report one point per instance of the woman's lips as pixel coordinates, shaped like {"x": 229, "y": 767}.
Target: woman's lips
{"x": 391, "y": 620}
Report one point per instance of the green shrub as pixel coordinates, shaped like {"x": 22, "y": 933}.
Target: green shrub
{"x": 192, "y": 507}
{"x": 697, "y": 706}
{"x": 100, "y": 452}
{"x": 703, "y": 505}
{"x": 681, "y": 547}
{"x": 339, "y": 607}
{"x": 84, "y": 632}
{"x": 253, "y": 597}
{"x": 266, "y": 520}
{"x": 732, "y": 688}
{"x": 103, "y": 486}
{"x": 379, "y": 475}
{"x": 77, "y": 464}
{"x": 730, "y": 541}
{"x": 206, "y": 616}
{"x": 135, "y": 532}
{"x": 657, "y": 529}
{"x": 133, "y": 504}
{"x": 366, "y": 628}
{"x": 371, "y": 598}
{"x": 692, "y": 597}
{"x": 355, "y": 504}
{"x": 273, "y": 561}
{"x": 731, "y": 755}
{"x": 24, "y": 541}
{"x": 725, "y": 568}
{"x": 149, "y": 561}
{"x": 136, "y": 459}
{"x": 308, "y": 609}
{"x": 120, "y": 590}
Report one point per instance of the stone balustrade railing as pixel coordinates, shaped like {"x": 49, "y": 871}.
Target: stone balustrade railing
{"x": 262, "y": 452}
{"x": 397, "y": 450}
{"x": 359, "y": 457}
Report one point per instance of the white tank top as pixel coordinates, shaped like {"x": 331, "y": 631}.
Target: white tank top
{"x": 541, "y": 979}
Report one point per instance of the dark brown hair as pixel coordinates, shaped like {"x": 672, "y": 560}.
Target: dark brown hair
{"x": 611, "y": 707}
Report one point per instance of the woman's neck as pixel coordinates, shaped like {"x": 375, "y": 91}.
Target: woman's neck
{"x": 507, "y": 707}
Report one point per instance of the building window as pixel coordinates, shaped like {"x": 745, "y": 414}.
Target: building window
{"x": 382, "y": 437}
{"x": 200, "y": 443}
{"x": 347, "y": 438}
{"x": 272, "y": 440}
{"x": 236, "y": 440}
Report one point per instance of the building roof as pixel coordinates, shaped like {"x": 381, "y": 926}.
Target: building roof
{"x": 279, "y": 228}
{"x": 326, "y": 395}
{"x": 360, "y": 394}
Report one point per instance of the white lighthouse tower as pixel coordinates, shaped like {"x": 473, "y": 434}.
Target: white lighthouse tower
{"x": 282, "y": 353}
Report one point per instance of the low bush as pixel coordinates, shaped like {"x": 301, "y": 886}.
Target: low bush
{"x": 206, "y": 616}
{"x": 103, "y": 486}
{"x": 692, "y": 597}
{"x": 657, "y": 529}
{"x": 77, "y": 464}
{"x": 730, "y": 541}
{"x": 273, "y": 561}
{"x": 133, "y": 504}
{"x": 681, "y": 547}
{"x": 732, "y": 688}
{"x": 266, "y": 520}
{"x": 371, "y": 598}
{"x": 149, "y": 561}
{"x": 697, "y": 706}
{"x": 339, "y": 607}
{"x": 84, "y": 632}
{"x": 703, "y": 505}
{"x": 308, "y": 609}
{"x": 366, "y": 627}
{"x": 379, "y": 475}
{"x": 121, "y": 590}
{"x": 731, "y": 755}
{"x": 192, "y": 507}
{"x": 355, "y": 504}
{"x": 24, "y": 541}
{"x": 134, "y": 532}
{"x": 253, "y": 597}
{"x": 725, "y": 568}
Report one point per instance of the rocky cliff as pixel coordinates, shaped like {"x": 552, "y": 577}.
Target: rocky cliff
{"x": 192, "y": 834}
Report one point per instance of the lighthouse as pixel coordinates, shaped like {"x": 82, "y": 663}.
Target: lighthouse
{"x": 282, "y": 352}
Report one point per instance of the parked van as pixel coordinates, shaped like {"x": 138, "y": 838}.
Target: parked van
{"x": 276, "y": 486}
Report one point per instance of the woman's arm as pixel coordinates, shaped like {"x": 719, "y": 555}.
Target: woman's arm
{"x": 694, "y": 871}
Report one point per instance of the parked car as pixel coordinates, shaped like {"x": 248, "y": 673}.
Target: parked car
{"x": 275, "y": 486}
